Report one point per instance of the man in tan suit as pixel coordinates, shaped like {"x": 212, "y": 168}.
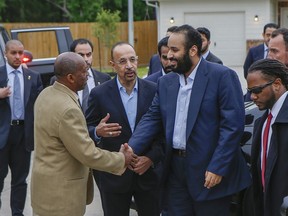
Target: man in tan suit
{"x": 63, "y": 148}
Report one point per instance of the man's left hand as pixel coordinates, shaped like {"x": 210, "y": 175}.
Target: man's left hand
{"x": 211, "y": 179}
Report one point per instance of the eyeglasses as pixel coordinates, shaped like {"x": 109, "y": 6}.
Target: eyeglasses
{"x": 259, "y": 89}
{"x": 124, "y": 61}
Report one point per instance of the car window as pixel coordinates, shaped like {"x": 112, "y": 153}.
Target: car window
{"x": 44, "y": 41}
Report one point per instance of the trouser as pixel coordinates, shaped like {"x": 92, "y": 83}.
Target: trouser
{"x": 181, "y": 203}
{"x": 15, "y": 156}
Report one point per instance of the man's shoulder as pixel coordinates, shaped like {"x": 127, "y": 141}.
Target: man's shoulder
{"x": 257, "y": 48}
{"x": 146, "y": 82}
{"x": 154, "y": 77}
{"x": 100, "y": 74}
{"x": 213, "y": 58}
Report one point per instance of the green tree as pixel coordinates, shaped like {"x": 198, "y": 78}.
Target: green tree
{"x": 105, "y": 29}
{"x": 77, "y": 10}
{"x": 141, "y": 11}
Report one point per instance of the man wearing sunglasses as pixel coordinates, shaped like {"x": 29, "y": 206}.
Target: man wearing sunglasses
{"x": 267, "y": 81}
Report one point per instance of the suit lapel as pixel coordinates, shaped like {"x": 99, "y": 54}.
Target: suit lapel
{"x": 95, "y": 77}
{"x": 172, "y": 94}
{"x": 282, "y": 117}
{"x": 141, "y": 100}
{"x": 27, "y": 85}
{"x": 198, "y": 90}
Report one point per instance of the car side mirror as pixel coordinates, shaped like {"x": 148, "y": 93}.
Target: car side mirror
{"x": 249, "y": 119}
{"x": 245, "y": 137}
{"x": 27, "y": 57}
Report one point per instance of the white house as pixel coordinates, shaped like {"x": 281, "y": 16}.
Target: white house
{"x": 233, "y": 23}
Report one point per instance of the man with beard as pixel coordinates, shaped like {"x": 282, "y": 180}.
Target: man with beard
{"x": 166, "y": 64}
{"x": 260, "y": 51}
{"x": 267, "y": 81}
{"x": 114, "y": 110}
{"x": 155, "y": 63}
{"x": 200, "y": 108}
{"x": 206, "y": 54}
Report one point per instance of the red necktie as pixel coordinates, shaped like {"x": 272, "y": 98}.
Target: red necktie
{"x": 264, "y": 146}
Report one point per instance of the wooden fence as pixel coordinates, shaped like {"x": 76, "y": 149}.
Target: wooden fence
{"x": 145, "y": 39}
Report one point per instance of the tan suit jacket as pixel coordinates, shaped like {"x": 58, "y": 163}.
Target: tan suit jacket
{"x": 63, "y": 153}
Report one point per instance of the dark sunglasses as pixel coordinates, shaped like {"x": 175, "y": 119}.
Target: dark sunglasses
{"x": 258, "y": 89}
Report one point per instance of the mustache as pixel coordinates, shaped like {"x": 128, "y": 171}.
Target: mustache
{"x": 173, "y": 59}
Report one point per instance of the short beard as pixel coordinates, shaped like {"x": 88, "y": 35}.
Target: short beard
{"x": 183, "y": 65}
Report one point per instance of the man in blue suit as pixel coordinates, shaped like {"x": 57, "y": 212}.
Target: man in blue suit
{"x": 155, "y": 62}
{"x": 206, "y": 53}
{"x": 260, "y": 51}
{"x": 16, "y": 123}
{"x": 201, "y": 111}
{"x": 165, "y": 62}
{"x": 114, "y": 109}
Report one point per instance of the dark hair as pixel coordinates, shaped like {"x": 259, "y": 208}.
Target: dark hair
{"x": 281, "y": 31}
{"x": 192, "y": 37}
{"x": 80, "y": 41}
{"x": 270, "y": 25}
{"x": 161, "y": 43}
{"x": 271, "y": 69}
{"x": 118, "y": 44}
{"x": 204, "y": 31}
{"x": 171, "y": 29}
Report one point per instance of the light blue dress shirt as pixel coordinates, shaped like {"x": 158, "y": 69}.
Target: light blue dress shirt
{"x": 10, "y": 83}
{"x": 129, "y": 102}
{"x": 183, "y": 100}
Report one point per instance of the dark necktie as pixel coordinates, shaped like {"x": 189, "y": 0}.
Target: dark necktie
{"x": 85, "y": 97}
{"x": 17, "y": 101}
{"x": 264, "y": 146}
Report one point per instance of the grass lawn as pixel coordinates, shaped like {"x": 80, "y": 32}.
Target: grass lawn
{"x": 142, "y": 71}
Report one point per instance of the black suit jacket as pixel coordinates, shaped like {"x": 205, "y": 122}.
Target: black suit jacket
{"x": 212, "y": 58}
{"x": 98, "y": 76}
{"x": 32, "y": 88}
{"x": 276, "y": 174}
{"x": 105, "y": 99}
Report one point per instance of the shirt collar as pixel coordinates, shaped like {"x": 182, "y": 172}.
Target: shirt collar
{"x": 206, "y": 54}
{"x": 277, "y": 106}
{"x": 120, "y": 86}
{"x": 90, "y": 72}
{"x": 191, "y": 77}
{"x": 11, "y": 69}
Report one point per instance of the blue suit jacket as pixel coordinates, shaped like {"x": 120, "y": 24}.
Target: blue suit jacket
{"x": 254, "y": 54}
{"x": 106, "y": 98}
{"x": 32, "y": 88}
{"x": 155, "y": 76}
{"x": 215, "y": 125}
{"x": 154, "y": 64}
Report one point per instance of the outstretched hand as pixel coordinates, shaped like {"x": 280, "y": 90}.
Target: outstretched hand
{"x": 104, "y": 129}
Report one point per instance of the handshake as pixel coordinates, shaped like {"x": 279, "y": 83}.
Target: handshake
{"x": 138, "y": 164}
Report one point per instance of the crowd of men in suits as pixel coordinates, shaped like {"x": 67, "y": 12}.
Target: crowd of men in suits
{"x": 170, "y": 164}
